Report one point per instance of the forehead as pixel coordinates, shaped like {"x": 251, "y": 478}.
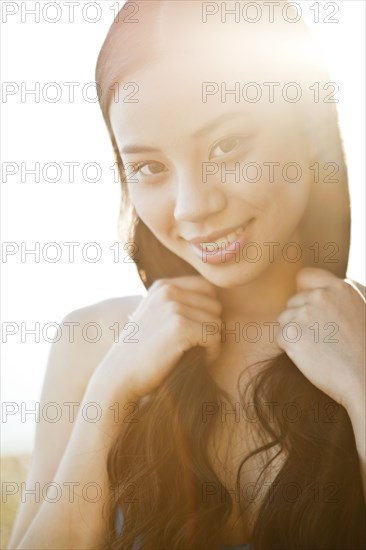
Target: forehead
{"x": 180, "y": 27}
{"x": 198, "y": 81}
{"x": 185, "y": 72}
{"x": 181, "y": 93}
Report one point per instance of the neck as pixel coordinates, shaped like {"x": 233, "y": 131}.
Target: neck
{"x": 260, "y": 300}
{"x": 264, "y": 297}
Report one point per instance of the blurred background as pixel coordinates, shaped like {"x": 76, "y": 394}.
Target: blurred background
{"x": 35, "y": 130}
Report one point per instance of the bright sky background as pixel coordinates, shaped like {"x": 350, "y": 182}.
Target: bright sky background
{"x": 85, "y": 212}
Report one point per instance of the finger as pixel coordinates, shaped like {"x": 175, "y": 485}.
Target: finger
{"x": 213, "y": 352}
{"x": 198, "y": 316}
{"x": 299, "y": 299}
{"x": 195, "y": 335}
{"x": 169, "y": 292}
{"x": 210, "y": 341}
{"x": 288, "y": 315}
{"x": 196, "y": 300}
{"x": 310, "y": 277}
{"x": 191, "y": 282}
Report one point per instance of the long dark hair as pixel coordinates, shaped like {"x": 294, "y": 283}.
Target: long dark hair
{"x": 159, "y": 470}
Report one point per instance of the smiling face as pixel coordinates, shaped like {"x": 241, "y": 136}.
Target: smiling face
{"x": 215, "y": 180}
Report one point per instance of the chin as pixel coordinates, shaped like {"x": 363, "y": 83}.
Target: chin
{"x": 231, "y": 275}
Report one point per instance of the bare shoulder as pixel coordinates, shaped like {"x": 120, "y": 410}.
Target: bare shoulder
{"x": 92, "y": 330}
{"x": 85, "y": 339}
{"x": 120, "y": 305}
{"x": 105, "y": 312}
{"x": 87, "y": 335}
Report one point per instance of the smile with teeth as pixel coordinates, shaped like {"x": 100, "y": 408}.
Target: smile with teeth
{"x": 227, "y": 239}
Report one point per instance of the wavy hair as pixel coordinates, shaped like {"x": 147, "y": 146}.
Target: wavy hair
{"x": 160, "y": 474}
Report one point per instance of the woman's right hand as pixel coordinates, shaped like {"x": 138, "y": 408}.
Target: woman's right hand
{"x": 169, "y": 321}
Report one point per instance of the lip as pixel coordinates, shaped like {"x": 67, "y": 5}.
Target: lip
{"x": 218, "y": 234}
{"x": 222, "y": 254}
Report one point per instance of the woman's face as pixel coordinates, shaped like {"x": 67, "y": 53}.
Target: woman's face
{"x": 221, "y": 181}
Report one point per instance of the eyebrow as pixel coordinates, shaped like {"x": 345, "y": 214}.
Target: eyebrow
{"x": 137, "y": 149}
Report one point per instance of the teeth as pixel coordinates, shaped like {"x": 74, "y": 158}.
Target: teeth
{"x": 223, "y": 241}
{"x": 232, "y": 237}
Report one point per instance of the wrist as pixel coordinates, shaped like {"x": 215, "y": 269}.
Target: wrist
{"x": 108, "y": 385}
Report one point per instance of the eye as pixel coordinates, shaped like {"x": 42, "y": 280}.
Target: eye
{"x": 229, "y": 145}
{"x": 150, "y": 168}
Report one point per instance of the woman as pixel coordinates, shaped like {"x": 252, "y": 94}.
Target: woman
{"x": 241, "y": 370}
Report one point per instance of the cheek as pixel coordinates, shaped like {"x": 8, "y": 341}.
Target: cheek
{"x": 290, "y": 208}
{"x": 268, "y": 194}
{"x": 283, "y": 188}
{"x": 153, "y": 207}
{"x": 280, "y": 206}
{"x": 290, "y": 201}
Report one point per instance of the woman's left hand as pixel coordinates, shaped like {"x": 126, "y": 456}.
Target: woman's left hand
{"x": 325, "y": 337}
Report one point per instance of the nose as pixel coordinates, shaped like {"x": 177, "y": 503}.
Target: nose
{"x": 195, "y": 199}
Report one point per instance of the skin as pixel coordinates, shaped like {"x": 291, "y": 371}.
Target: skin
{"x": 187, "y": 207}
{"x": 169, "y": 111}
{"x": 168, "y": 154}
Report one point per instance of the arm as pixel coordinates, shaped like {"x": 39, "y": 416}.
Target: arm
{"x": 76, "y": 520}
{"x": 173, "y": 310}
{"x": 357, "y": 414}
{"x": 71, "y": 363}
